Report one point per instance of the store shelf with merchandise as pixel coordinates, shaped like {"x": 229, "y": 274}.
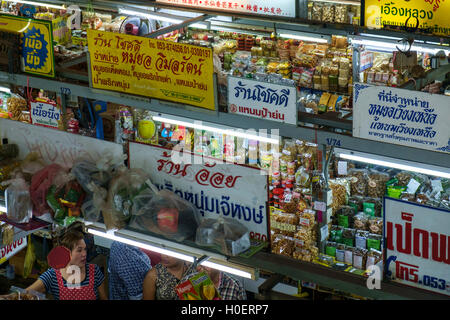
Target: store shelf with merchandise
{"x": 325, "y": 132}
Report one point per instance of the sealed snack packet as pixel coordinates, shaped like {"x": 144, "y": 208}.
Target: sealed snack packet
{"x": 198, "y": 287}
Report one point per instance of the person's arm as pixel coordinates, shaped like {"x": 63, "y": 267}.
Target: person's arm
{"x": 102, "y": 292}
{"x": 38, "y": 286}
{"x": 149, "y": 286}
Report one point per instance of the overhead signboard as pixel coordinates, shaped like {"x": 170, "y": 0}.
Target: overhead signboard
{"x": 153, "y": 68}
{"x": 37, "y": 43}
{"x": 262, "y": 100}
{"x": 280, "y": 8}
{"x": 430, "y": 15}
{"x": 215, "y": 189}
{"x": 399, "y": 116}
{"x": 417, "y": 245}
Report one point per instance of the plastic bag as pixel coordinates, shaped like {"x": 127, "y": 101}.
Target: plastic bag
{"x": 376, "y": 188}
{"x": 18, "y": 200}
{"x": 40, "y": 183}
{"x": 32, "y": 163}
{"x": 230, "y": 235}
{"x": 123, "y": 188}
{"x": 30, "y": 258}
{"x": 358, "y": 182}
{"x": 166, "y": 214}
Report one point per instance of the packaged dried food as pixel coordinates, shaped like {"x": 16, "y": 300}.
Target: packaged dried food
{"x": 373, "y": 257}
{"x": 18, "y": 200}
{"x": 373, "y": 206}
{"x": 360, "y": 221}
{"x": 283, "y": 245}
{"x": 306, "y": 78}
{"x": 358, "y": 182}
{"x": 291, "y": 205}
{"x": 345, "y": 216}
{"x": 403, "y": 178}
{"x": 316, "y": 12}
{"x": 16, "y": 104}
{"x": 359, "y": 258}
{"x": 395, "y": 191}
{"x": 376, "y": 187}
{"x": 328, "y": 13}
{"x": 331, "y": 106}
{"x": 340, "y": 252}
{"x": 361, "y": 239}
{"x": 356, "y": 202}
{"x": 341, "y": 14}
{"x": 307, "y": 218}
{"x": 348, "y": 259}
{"x": 348, "y": 236}
{"x": 330, "y": 248}
{"x": 340, "y": 191}
{"x": 324, "y": 83}
{"x": 336, "y": 234}
{"x": 322, "y": 107}
{"x": 375, "y": 225}
{"x": 374, "y": 241}
{"x": 317, "y": 184}
{"x": 302, "y": 178}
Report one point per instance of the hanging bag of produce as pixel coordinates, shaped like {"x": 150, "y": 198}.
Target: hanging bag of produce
{"x": 18, "y": 200}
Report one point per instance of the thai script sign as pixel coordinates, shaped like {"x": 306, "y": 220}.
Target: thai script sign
{"x": 45, "y": 114}
{"x": 37, "y": 43}
{"x": 399, "y": 116}
{"x": 417, "y": 245}
{"x": 366, "y": 60}
{"x": 10, "y": 250}
{"x": 262, "y": 100}
{"x": 55, "y": 146}
{"x": 215, "y": 189}
{"x": 281, "y": 8}
{"x": 154, "y": 68}
{"x": 429, "y": 15}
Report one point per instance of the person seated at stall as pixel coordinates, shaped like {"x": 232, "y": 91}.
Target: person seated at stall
{"x": 79, "y": 280}
{"x": 128, "y": 266}
{"x": 228, "y": 287}
{"x": 161, "y": 281}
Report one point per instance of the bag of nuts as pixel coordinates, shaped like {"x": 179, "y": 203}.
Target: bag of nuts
{"x": 358, "y": 182}
{"x": 340, "y": 189}
{"x": 16, "y": 104}
{"x": 376, "y": 187}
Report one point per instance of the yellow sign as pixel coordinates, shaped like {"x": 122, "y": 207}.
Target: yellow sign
{"x": 428, "y": 15}
{"x": 154, "y": 68}
{"x": 37, "y": 43}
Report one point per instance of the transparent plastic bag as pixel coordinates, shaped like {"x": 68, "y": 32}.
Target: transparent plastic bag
{"x": 230, "y": 235}
{"x": 18, "y": 200}
{"x": 166, "y": 214}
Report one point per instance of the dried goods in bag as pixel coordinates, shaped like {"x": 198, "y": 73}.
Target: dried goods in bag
{"x": 18, "y": 200}
{"x": 376, "y": 187}
{"x": 358, "y": 182}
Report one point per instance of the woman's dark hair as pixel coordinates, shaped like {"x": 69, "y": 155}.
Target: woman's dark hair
{"x": 71, "y": 235}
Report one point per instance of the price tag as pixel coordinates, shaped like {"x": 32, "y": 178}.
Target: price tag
{"x": 342, "y": 168}
{"x": 319, "y": 205}
{"x": 330, "y": 196}
{"x": 324, "y": 233}
{"x": 413, "y": 185}
{"x": 437, "y": 185}
{"x": 304, "y": 222}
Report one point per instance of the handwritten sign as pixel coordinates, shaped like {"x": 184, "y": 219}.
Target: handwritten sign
{"x": 400, "y": 116}
{"x": 55, "y": 146}
{"x": 281, "y": 8}
{"x": 154, "y": 68}
{"x": 431, "y": 15}
{"x": 10, "y": 250}
{"x": 262, "y": 100}
{"x": 214, "y": 189}
{"x": 37, "y": 43}
{"x": 417, "y": 249}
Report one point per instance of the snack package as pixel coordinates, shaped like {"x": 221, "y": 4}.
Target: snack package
{"x": 282, "y": 244}
{"x": 146, "y": 129}
{"x": 360, "y": 221}
{"x": 231, "y": 236}
{"x": 198, "y": 287}
{"x": 340, "y": 189}
{"x": 358, "y": 182}
{"x": 18, "y": 200}
{"x": 166, "y": 214}
{"x": 376, "y": 187}
{"x": 375, "y": 225}
{"x": 16, "y": 105}
{"x": 345, "y": 216}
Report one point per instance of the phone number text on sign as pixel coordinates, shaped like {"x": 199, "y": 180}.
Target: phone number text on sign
{"x": 418, "y": 246}
{"x": 154, "y": 68}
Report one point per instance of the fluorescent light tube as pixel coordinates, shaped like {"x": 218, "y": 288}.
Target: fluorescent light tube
{"x": 149, "y": 15}
{"x": 382, "y": 44}
{"x": 3, "y": 209}
{"x": 40, "y": 4}
{"x": 5, "y": 89}
{"x": 304, "y": 38}
{"x": 218, "y": 130}
{"x": 340, "y": 2}
{"x": 213, "y": 265}
{"x": 395, "y": 165}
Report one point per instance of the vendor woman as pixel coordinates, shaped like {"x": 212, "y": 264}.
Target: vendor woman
{"x": 78, "y": 280}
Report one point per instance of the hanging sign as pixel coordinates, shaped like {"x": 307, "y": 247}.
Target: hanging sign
{"x": 281, "y": 8}
{"x": 154, "y": 68}
{"x": 399, "y": 116}
{"x": 262, "y": 100}
{"x": 366, "y": 60}
{"x": 417, "y": 245}
{"x": 45, "y": 114}
{"x": 429, "y": 15}
{"x": 215, "y": 189}
{"x": 10, "y": 250}
{"x": 37, "y": 43}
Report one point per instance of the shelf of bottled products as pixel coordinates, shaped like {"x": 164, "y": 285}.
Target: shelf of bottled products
{"x": 278, "y": 264}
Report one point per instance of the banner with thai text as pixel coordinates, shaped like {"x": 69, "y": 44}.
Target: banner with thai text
{"x": 9, "y": 250}
{"x": 417, "y": 245}
{"x": 399, "y": 116}
{"x": 215, "y": 189}
{"x": 281, "y": 8}
{"x": 153, "y": 68}
{"x": 428, "y": 15}
{"x": 45, "y": 114}
{"x": 37, "y": 43}
{"x": 262, "y": 100}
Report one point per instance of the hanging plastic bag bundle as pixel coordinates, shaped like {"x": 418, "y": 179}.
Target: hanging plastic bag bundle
{"x": 166, "y": 214}
{"x": 18, "y": 200}
{"x": 231, "y": 236}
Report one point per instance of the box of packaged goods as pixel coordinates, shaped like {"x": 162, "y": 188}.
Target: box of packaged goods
{"x": 333, "y": 12}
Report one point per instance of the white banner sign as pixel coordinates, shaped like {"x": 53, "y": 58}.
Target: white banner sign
{"x": 55, "y": 146}
{"x": 10, "y": 250}
{"x": 262, "y": 100}
{"x": 281, "y": 8}
{"x": 417, "y": 245}
{"x": 215, "y": 189}
{"x": 399, "y": 116}
{"x": 45, "y": 114}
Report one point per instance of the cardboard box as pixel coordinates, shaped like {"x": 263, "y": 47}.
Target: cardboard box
{"x": 198, "y": 287}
